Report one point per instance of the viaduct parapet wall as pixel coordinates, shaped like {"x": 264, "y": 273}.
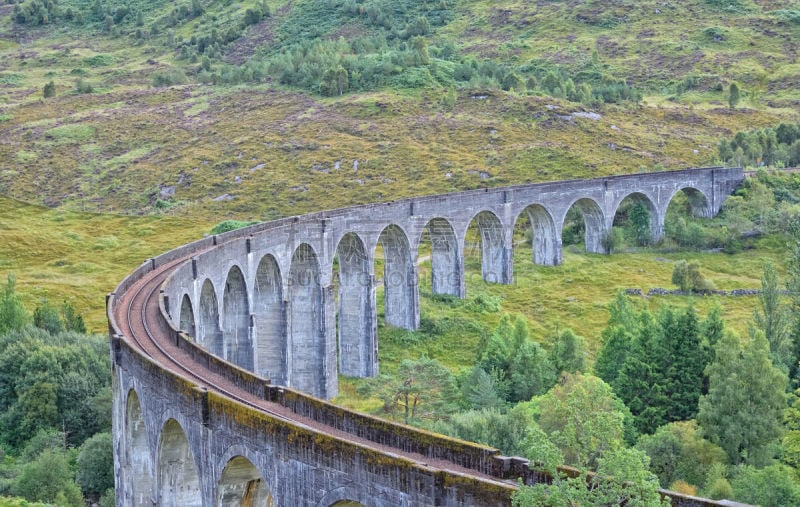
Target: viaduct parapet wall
{"x": 258, "y": 303}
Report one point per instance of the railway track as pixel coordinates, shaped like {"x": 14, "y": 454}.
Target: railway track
{"x": 138, "y": 307}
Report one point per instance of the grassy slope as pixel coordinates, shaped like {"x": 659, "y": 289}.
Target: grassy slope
{"x": 208, "y": 141}
{"x": 81, "y": 256}
{"x": 276, "y": 151}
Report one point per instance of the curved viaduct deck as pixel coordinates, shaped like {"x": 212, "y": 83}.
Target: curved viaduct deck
{"x": 191, "y": 428}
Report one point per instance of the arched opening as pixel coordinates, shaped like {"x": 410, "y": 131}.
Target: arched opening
{"x": 187, "y": 317}
{"x": 270, "y": 322}
{"x": 178, "y": 478}
{"x": 236, "y": 320}
{"x": 538, "y": 231}
{"x": 694, "y": 201}
{"x": 209, "y": 334}
{"x": 347, "y": 503}
{"x": 306, "y": 321}
{"x": 400, "y": 289}
{"x": 241, "y": 485}
{"x": 137, "y": 454}
{"x": 637, "y": 220}
{"x": 439, "y": 239}
{"x": 358, "y": 347}
{"x": 636, "y": 223}
{"x": 681, "y": 221}
{"x": 585, "y": 222}
{"x": 486, "y": 235}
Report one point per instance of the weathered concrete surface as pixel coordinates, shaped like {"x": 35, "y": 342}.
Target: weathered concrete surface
{"x": 269, "y": 295}
{"x": 176, "y": 445}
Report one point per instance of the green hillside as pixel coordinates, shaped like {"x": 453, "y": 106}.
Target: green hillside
{"x": 250, "y": 120}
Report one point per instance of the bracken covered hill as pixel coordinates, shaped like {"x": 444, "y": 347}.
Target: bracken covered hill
{"x": 261, "y": 110}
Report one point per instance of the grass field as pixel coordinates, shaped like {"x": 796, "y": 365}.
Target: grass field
{"x": 80, "y": 257}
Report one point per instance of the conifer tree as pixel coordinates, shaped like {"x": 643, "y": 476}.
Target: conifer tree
{"x": 733, "y": 95}
{"x": 687, "y": 363}
{"x": 746, "y": 399}
{"x": 641, "y": 381}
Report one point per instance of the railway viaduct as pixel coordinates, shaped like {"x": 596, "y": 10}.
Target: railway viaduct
{"x": 225, "y": 349}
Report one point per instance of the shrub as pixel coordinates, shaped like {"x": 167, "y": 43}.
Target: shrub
{"x": 230, "y": 225}
{"x": 82, "y": 86}
{"x": 687, "y": 276}
{"x": 49, "y": 90}
{"x": 169, "y": 78}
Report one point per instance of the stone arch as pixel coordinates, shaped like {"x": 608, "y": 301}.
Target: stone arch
{"x": 236, "y": 320}
{"x": 447, "y": 270}
{"x": 656, "y": 217}
{"x": 594, "y": 222}
{"x": 494, "y": 252}
{"x": 138, "y": 462}
{"x": 348, "y": 496}
{"x": 545, "y": 240}
{"x": 698, "y": 201}
{"x": 241, "y": 485}
{"x": 400, "y": 290}
{"x": 178, "y": 476}
{"x": 358, "y": 346}
{"x": 209, "y": 333}
{"x": 187, "y": 317}
{"x": 306, "y": 317}
{"x": 269, "y": 314}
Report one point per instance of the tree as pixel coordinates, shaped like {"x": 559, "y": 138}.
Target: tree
{"x": 334, "y": 81}
{"x": 793, "y": 288}
{"x": 511, "y": 356}
{"x": 46, "y": 317}
{"x": 49, "y": 90}
{"x": 771, "y": 318}
{"x": 622, "y": 479}
{"x": 73, "y": 321}
{"x": 420, "y": 47}
{"x": 617, "y": 338}
{"x": 12, "y": 312}
{"x": 642, "y": 376}
{"x": 505, "y": 431}
{"x": 743, "y": 409}
{"x": 790, "y": 443}
{"x": 773, "y": 486}
{"x": 639, "y": 224}
{"x": 688, "y": 277}
{"x": 422, "y": 389}
{"x": 95, "y": 472}
{"x": 49, "y": 479}
{"x": 530, "y": 372}
{"x": 713, "y": 331}
{"x": 678, "y": 451}
{"x": 58, "y": 382}
{"x": 569, "y": 352}
{"x": 686, "y": 363}
{"x": 733, "y": 95}
{"x": 480, "y": 391}
{"x": 583, "y": 419}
